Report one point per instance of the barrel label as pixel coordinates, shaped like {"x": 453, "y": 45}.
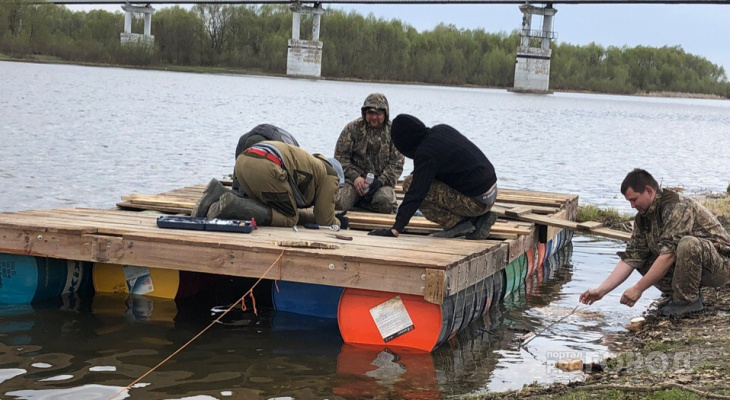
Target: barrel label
{"x": 392, "y": 319}
{"x": 138, "y": 279}
{"x": 7, "y": 271}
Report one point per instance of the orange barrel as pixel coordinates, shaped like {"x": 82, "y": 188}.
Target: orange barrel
{"x": 540, "y": 255}
{"x": 28, "y": 279}
{"x": 531, "y": 260}
{"x": 380, "y": 318}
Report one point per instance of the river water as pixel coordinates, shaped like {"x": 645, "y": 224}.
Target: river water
{"x": 74, "y": 136}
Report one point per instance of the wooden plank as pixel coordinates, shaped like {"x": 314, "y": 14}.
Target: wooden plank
{"x": 589, "y": 225}
{"x": 434, "y": 286}
{"x": 518, "y": 211}
{"x": 39, "y": 242}
{"x": 565, "y": 224}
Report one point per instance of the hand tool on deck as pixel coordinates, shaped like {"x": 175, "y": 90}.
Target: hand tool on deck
{"x": 315, "y": 226}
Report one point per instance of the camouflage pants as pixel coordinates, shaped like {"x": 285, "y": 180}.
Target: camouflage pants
{"x": 383, "y": 201}
{"x": 697, "y": 264}
{"x": 447, "y": 207}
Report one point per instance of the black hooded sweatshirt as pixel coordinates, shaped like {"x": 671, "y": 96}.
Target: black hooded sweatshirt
{"x": 441, "y": 153}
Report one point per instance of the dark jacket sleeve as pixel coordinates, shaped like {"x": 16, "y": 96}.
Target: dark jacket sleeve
{"x": 424, "y": 172}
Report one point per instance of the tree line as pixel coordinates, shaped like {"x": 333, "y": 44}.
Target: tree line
{"x": 254, "y": 38}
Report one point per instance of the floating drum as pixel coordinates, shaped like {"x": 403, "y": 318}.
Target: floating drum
{"x": 306, "y": 298}
{"x": 156, "y": 282}
{"x": 379, "y": 318}
{"x": 28, "y": 279}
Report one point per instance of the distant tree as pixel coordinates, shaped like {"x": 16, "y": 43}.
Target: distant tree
{"x": 215, "y": 20}
{"x": 177, "y": 36}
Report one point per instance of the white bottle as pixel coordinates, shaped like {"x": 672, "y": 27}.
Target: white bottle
{"x": 368, "y": 180}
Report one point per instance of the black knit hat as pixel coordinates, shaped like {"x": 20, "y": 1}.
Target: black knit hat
{"x": 407, "y": 132}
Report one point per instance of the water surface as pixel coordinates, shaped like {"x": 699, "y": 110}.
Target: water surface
{"x": 75, "y": 136}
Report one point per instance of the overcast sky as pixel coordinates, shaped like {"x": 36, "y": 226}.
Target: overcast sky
{"x": 703, "y": 30}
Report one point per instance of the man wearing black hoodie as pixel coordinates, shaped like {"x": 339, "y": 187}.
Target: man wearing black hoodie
{"x": 453, "y": 183}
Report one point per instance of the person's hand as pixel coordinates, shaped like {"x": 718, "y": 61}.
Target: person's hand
{"x": 382, "y": 232}
{"x": 590, "y": 296}
{"x": 631, "y": 296}
{"x": 360, "y": 185}
{"x": 372, "y": 189}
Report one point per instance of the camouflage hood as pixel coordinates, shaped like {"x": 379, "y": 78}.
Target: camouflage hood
{"x": 378, "y": 101}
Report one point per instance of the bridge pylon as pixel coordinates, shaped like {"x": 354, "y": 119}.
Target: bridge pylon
{"x": 532, "y": 66}
{"x": 127, "y": 36}
{"x": 304, "y": 57}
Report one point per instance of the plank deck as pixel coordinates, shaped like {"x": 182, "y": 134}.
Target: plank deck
{"x": 412, "y": 264}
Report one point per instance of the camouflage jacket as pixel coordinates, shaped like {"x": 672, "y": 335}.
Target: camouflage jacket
{"x": 361, "y": 149}
{"x": 669, "y": 218}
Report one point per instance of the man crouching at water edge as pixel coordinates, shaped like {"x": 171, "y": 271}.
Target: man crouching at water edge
{"x": 278, "y": 180}
{"x": 677, "y": 245}
{"x": 453, "y": 183}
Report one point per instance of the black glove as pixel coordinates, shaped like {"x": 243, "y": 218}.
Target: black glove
{"x": 381, "y": 232}
{"x": 372, "y": 189}
{"x": 344, "y": 221}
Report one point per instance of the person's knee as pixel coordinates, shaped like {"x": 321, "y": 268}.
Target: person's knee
{"x": 346, "y": 197}
{"x": 381, "y": 205}
{"x": 686, "y": 245}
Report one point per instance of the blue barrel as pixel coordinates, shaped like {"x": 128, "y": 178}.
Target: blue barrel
{"x": 28, "y": 279}
{"x": 306, "y": 298}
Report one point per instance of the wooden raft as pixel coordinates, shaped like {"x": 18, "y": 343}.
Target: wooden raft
{"x": 411, "y": 264}
{"x": 554, "y": 210}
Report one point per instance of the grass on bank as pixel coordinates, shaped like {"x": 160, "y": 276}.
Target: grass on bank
{"x": 606, "y": 216}
{"x": 578, "y": 394}
{"x": 718, "y": 206}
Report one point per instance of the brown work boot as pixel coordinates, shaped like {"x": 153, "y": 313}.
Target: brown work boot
{"x": 212, "y": 193}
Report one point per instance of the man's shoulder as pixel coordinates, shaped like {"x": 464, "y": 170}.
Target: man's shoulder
{"x": 355, "y": 125}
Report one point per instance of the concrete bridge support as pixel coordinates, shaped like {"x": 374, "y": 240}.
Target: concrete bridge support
{"x": 127, "y": 36}
{"x": 304, "y": 57}
{"x": 532, "y": 67}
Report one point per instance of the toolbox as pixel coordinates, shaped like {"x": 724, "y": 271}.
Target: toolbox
{"x": 206, "y": 224}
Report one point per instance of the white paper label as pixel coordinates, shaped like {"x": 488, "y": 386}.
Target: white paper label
{"x": 392, "y": 319}
{"x": 138, "y": 279}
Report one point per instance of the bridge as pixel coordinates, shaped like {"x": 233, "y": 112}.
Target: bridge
{"x": 696, "y": 2}
{"x": 304, "y": 57}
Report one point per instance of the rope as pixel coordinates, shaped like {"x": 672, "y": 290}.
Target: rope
{"x": 241, "y": 300}
{"x": 551, "y": 324}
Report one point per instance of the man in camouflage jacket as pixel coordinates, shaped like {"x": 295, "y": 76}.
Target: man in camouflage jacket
{"x": 677, "y": 245}
{"x": 365, "y": 146}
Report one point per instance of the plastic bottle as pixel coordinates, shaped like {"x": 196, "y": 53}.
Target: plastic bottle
{"x": 368, "y": 180}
